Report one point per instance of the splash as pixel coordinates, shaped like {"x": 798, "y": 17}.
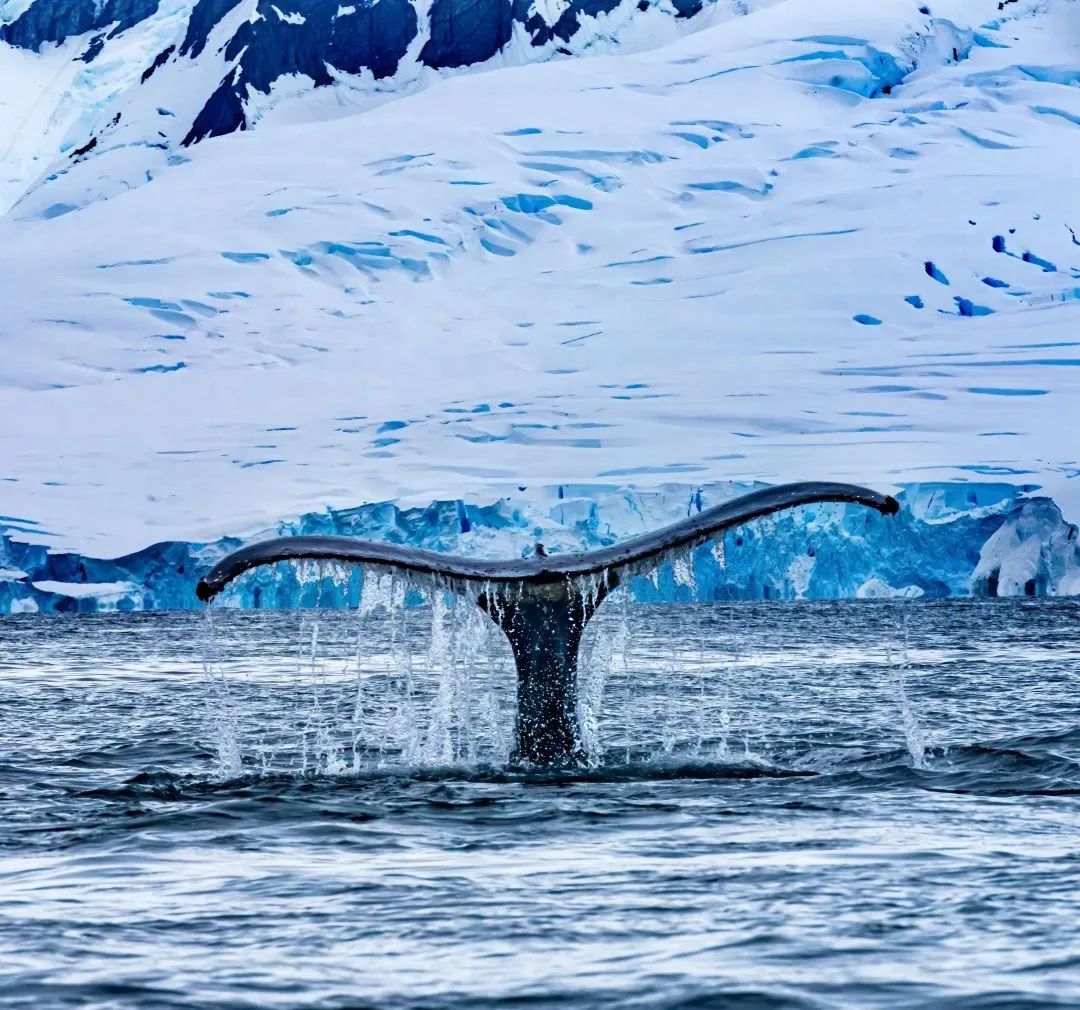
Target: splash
{"x": 412, "y": 676}
{"x": 220, "y": 709}
{"x": 428, "y": 681}
{"x": 915, "y": 736}
{"x": 418, "y": 674}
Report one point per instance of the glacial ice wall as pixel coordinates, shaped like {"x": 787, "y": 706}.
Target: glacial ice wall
{"x": 949, "y": 539}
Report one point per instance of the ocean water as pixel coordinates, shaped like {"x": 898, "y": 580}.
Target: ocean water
{"x": 788, "y": 805}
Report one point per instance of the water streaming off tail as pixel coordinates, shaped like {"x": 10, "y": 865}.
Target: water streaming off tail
{"x": 416, "y": 674}
{"x": 915, "y": 736}
{"x": 384, "y": 683}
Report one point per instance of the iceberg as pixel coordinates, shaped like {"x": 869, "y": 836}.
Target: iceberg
{"x": 1033, "y": 553}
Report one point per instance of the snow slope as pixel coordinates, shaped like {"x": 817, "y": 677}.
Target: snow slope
{"x": 823, "y": 240}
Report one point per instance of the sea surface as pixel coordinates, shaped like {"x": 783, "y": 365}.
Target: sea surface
{"x": 787, "y": 805}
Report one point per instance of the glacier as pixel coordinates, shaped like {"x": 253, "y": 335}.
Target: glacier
{"x": 265, "y": 263}
{"x": 985, "y": 540}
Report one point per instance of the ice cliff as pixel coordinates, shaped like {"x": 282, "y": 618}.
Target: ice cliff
{"x": 948, "y": 540}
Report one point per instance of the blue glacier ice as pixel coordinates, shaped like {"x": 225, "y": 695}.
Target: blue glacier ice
{"x": 949, "y": 539}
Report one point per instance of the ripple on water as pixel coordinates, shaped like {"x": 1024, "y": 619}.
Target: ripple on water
{"x": 795, "y": 805}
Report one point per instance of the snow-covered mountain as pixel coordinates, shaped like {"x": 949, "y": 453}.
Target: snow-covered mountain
{"x": 151, "y": 77}
{"x": 265, "y": 262}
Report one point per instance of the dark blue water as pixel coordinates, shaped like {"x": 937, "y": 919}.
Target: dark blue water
{"x": 807, "y": 805}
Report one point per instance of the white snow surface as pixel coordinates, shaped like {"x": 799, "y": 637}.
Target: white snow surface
{"x": 102, "y": 591}
{"x": 687, "y": 264}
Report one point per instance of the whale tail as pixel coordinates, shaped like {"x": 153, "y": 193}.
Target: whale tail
{"x": 543, "y": 603}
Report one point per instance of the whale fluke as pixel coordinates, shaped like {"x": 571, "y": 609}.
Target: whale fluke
{"x": 541, "y": 567}
{"x": 537, "y": 600}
